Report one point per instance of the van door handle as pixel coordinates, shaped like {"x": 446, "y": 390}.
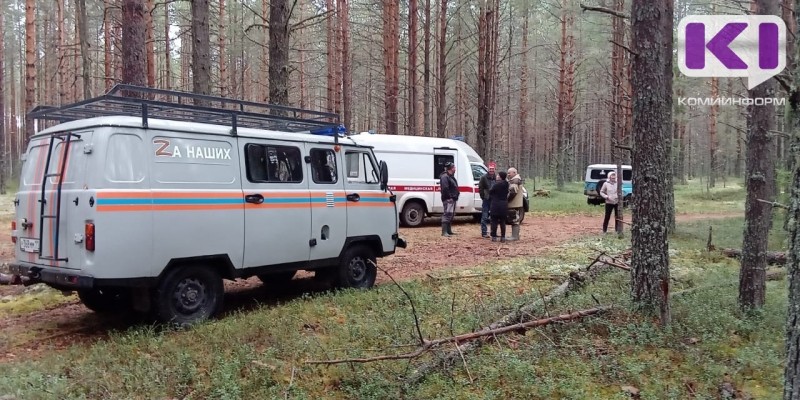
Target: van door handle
{"x": 254, "y": 198}
{"x": 353, "y": 197}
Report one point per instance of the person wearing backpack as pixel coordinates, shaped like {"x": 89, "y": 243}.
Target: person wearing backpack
{"x": 516, "y": 204}
{"x": 609, "y": 193}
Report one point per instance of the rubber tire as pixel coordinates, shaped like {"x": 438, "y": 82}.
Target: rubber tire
{"x": 106, "y": 300}
{"x": 202, "y": 279}
{"x": 415, "y": 208}
{"x": 599, "y": 186}
{"x": 277, "y": 278}
{"x": 354, "y": 271}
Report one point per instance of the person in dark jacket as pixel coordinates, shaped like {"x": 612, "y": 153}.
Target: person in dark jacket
{"x": 449, "y": 188}
{"x": 486, "y": 183}
{"x": 498, "y": 195}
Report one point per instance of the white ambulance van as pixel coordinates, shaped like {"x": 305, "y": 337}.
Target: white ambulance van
{"x": 146, "y": 204}
{"x": 416, "y": 163}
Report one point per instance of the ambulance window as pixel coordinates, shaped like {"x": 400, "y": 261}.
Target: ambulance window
{"x": 273, "y": 164}
{"x": 360, "y": 168}
{"x": 124, "y": 158}
{"x": 439, "y": 160}
{"x": 323, "y": 166}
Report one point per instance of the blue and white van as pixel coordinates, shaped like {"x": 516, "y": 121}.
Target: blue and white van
{"x": 596, "y": 176}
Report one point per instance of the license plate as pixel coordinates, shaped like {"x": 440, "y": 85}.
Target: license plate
{"x": 29, "y": 245}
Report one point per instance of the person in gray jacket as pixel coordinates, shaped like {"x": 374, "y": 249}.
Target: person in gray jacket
{"x": 609, "y": 193}
{"x": 449, "y": 188}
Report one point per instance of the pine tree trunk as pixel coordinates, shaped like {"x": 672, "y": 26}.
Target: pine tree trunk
{"x": 712, "y": 135}
{"x": 486, "y": 78}
{"x": 134, "y": 59}
{"x": 331, "y": 56}
{"x": 30, "y": 64}
{"x": 61, "y": 67}
{"x": 759, "y": 181}
{"x": 279, "y": 52}
{"x": 524, "y": 105}
{"x": 791, "y": 380}
{"x": 150, "y": 43}
{"x": 5, "y": 154}
{"x": 167, "y": 51}
{"x": 223, "y": 55}
{"x": 412, "y": 83}
{"x": 441, "y": 90}
{"x": 304, "y": 103}
{"x": 108, "y": 42}
{"x": 652, "y": 30}
{"x": 390, "y": 64}
{"x": 347, "y": 77}
{"x": 83, "y": 36}
{"x": 426, "y": 74}
{"x": 201, "y": 49}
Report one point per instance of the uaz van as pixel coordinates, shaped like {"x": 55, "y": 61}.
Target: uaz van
{"x": 147, "y": 203}
{"x": 596, "y": 176}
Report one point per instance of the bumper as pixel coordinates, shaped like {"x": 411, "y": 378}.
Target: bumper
{"x": 56, "y": 278}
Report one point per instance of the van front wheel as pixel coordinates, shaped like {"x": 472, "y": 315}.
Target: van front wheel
{"x": 357, "y": 268}
{"x": 188, "y": 295}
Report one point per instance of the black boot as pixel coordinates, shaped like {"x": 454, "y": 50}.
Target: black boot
{"x": 450, "y": 229}
{"x": 445, "y": 230}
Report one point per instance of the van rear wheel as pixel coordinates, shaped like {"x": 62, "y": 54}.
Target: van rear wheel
{"x": 357, "y": 268}
{"x": 105, "y": 300}
{"x": 188, "y": 295}
{"x": 413, "y": 214}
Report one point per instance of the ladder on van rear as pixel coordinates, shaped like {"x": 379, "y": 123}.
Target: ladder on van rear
{"x": 66, "y": 139}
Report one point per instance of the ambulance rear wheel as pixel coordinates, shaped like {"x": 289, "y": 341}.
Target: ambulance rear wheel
{"x": 188, "y": 295}
{"x": 105, "y": 300}
{"x": 357, "y": 268}
{"x": 413, "y": 214}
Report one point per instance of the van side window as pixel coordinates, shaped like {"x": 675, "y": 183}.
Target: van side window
{"x": 124, "y": 158}
{"x": 270, "y": 164}
{"x": 360, "y": 167}
{"x": 439, "y": 160}
{"x": 323, "y": 166}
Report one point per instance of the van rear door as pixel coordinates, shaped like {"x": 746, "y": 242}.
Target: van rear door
{"x": 52, "y": 177}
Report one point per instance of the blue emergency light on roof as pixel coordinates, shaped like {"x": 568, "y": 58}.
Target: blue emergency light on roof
{"x": 461, "y": 138}
{"x": 341, "y": 131}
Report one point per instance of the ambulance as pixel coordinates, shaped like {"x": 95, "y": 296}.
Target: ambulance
{"x": 416, "y": 163}
{"x": 147, "y": 202}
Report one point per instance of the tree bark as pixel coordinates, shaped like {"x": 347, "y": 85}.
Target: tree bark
{"x": 759, "y": 181}
{"x": 279, "y": 52}
{"x": 390, "y": 64}
{"x": 108, "y": 42}
{"x": 61, "y": 67}
{"x": 712, "y": 135}
{"x": 167, "y": 51}
{"x": 149, "y": 43}
{"x": 5, "y": 154}
{"x": 82, "y": 21}
{"x": 652, "y": 30}
{"x": 347, "y": 76}
{"x": 223, "y": 55}
{"x": 201, "y": 49}
{"x": 426, "y": 74}
{"x": 331, "y": 59}
{"x": 441, "y": 90}
{"x": 413, "y": 26}
{"x": 30, "y": 65}
{"x": 134, "y": 59}
{"x": 487, "y": 60}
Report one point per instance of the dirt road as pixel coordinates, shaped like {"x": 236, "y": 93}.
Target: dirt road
{"x": 28, "y": 335}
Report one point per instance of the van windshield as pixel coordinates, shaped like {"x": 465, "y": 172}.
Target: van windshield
{"x": 478, "y": 171}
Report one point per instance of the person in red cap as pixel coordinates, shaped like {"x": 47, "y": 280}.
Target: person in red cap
{"x": 484, "y": 186}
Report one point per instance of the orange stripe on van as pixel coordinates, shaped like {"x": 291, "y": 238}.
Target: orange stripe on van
{"x": 167, "y": 195}
{"x": 170, "y": 207}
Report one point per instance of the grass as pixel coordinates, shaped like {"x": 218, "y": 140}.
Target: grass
{"x": 261, "y": 353}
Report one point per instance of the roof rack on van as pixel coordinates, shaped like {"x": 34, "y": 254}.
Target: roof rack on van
{"x": 144, "y": 102}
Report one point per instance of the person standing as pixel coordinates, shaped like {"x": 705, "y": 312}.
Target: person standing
{"x": 485, "y": 184}
{"x": 499, "y": 199}
{"x": 609, "y": 193}
{"x": 515, "y": 202}
{"x": 448, "y": 185}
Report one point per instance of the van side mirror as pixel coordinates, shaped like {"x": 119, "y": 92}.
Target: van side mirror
{"x": 384, "y": 175}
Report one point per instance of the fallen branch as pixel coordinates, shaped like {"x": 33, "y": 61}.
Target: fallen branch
{"x": 615, "y": 265}
{"x": 604, "y": 10}
{"x": 773, "y": 257}
{"x": 431, "y": 344}
{"x": 524, "y": 313}
{"x": 555, "y": 278}
{"x": 408, "y": 296}
{"x": 774, "y": 204}
{"x": 443, "y": 278}
{"x": 632, "y": 53}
